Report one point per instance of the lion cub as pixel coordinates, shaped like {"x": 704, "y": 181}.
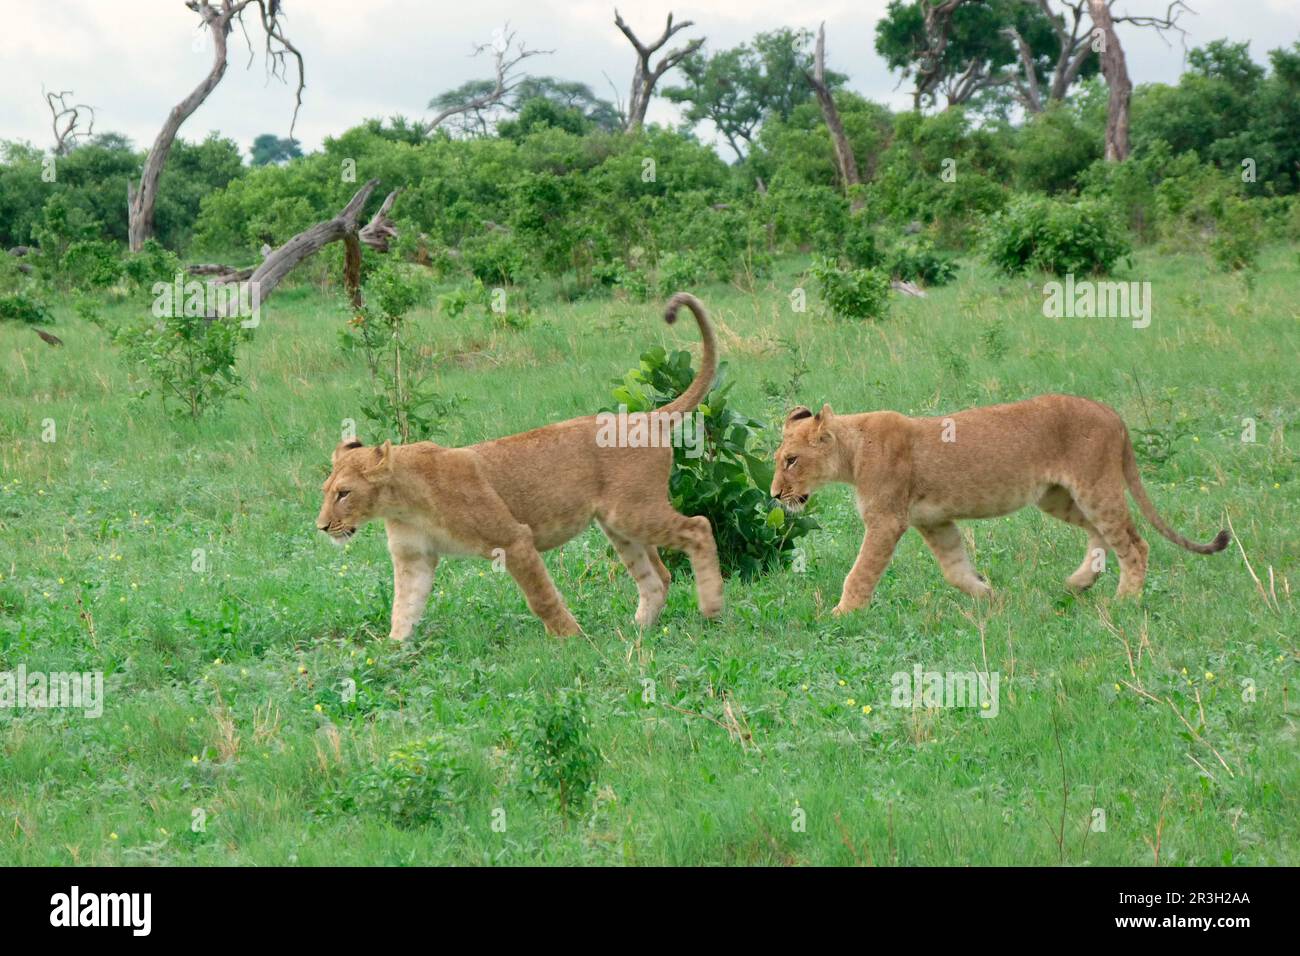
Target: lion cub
{"x": 512, "y": 498}
{"x": 1069, "y": 456}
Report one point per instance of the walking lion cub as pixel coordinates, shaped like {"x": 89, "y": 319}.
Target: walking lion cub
{"x": 511, "y": 498}
{"x": 1069, "y": 456}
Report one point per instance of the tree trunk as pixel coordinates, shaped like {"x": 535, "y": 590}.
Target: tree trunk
{"x": 141, "y": 199}
{"x": 847, "y": 165}
{"x": 1115, "y": 70}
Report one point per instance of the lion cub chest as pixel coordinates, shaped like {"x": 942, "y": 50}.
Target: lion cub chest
{"x": 426, "y": 538}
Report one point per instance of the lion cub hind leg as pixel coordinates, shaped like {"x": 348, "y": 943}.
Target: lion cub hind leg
{"x": 529, "y": 571}
{"x": 1058, "y": 503}
{"x": 660, "y": 525}
{"x": 950, "y": 551}
{"x": 644, "y": 565}
{"x": 1106, "y": 508}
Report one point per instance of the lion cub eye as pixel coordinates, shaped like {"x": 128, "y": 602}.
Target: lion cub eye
{"x": 344, "y": 494}
{"x": 790, "y": 462}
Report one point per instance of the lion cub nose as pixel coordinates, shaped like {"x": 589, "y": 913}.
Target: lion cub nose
{"x": 323, "y": 527}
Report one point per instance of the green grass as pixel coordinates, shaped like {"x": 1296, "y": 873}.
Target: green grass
{"x": 213, "y": 680}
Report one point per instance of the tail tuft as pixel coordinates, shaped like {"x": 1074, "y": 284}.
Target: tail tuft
{"x": 1221, "y": 541}
{"x": 675, "y": 303}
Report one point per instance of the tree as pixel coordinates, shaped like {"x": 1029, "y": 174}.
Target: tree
{"x": 219, "y": 19}
{"x": 990, "y": 50}
{"x": 568, "y": 95}
{"x": 269, "y": 149}
{"x": 645, "y": 76}
{"x": 738, "y": 89}
{"x": 817, "y": 79}
{"x": 66, "y": 120}
{"x": 1115, "y": 69}
{"x": 472, "y": 102}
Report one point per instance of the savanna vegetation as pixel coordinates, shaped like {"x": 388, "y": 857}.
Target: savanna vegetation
{"x": 162, "y": 466}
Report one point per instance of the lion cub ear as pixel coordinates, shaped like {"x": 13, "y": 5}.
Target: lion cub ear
{"x": 341, "y": 447}
{"x": 383, "y": 466}
{"x": 798, "y": 413}
{"x": 823, "y": 420}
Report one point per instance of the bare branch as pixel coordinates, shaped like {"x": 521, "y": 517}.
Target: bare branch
{"x": 507, "y": 54}
{"x": 644, "y": 76}
{"x": 69, "y": 134}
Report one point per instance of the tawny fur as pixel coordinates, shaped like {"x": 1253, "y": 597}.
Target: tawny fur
{"x": 1069, "y": 456}
{"x": 512, "y": 498}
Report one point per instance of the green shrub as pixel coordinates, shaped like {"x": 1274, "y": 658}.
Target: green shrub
{"x": 413, "y": 786}
{"x": 24, "y": 306}
{"x": 1035, "y": 232}
{"x": 151, "y": 264}
{"x": 916, "y": 260}
{"x": 1238, "y": 233}
{"x": 558, "y": 755}
{"x": 852, "y": 293}
{"x": 493, "y": 259}
{"x": 728, "y": 482}
{"x": 403, "y": 404}
{"x": 188, "y": 361}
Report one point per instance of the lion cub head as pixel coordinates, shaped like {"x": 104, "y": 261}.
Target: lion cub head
{"x": 806, "y": 459}
{"x": 353, "y": 489}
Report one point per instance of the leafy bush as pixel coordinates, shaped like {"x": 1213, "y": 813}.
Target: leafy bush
{"x": 24, "y": 306}
{"x": 916, "y": 260}
{"x": 1035, "y": 232}
{"x": 852, "y": 293}
{"x": 558, "y": 755}
{"x": 151, "y": 264}
{"x": 403, "y": 401}
{"x": 188, "y": 361}
{"x": 728, "y": 483}
{"x": 1235, "y": 246}
{"x": 92, "y": 264}
{"x": 493, "y": 259}
{"x": 413, "y": 786}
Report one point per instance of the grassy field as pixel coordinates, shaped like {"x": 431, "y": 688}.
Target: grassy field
{"x": 1127, "y": 733}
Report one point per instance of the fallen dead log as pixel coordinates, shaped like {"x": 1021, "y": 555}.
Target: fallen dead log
{"x": 261, "y": 280}
{"x": 907, "y": 288}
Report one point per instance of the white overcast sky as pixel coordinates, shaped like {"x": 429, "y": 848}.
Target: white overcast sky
{"x": 135, "y": 59}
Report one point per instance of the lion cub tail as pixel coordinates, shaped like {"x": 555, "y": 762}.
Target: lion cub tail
{"x": 688, "y": 400}
{"x": 1139, "y": 494}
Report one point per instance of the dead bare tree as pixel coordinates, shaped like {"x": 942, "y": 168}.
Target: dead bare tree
{"x": 1081, "y": 30}
{"x": 1115, "y": 70}
{"x": 1114, "y": 67}
{"x": 645, "y": 76}
{"x": 219, "y": 18}
{"x": 507, "y": 54}
{"x": 844, "y": 160}
{"x": 66, "y": 120}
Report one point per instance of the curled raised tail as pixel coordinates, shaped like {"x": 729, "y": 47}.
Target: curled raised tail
{"x": 688, "y": 400}
{"x": 1139, "y": 493}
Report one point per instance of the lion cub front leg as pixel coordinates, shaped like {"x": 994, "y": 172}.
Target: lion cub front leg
{"x": 412, "y": 581}
{"x": 877, "y": 548}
